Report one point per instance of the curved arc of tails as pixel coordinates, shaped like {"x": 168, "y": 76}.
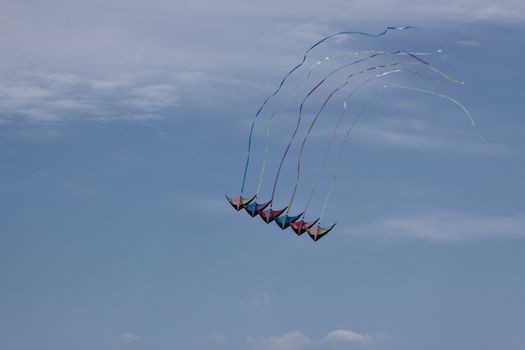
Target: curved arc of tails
{"x": 419, "y": 61}
{"x": 336, "y": 128}
{"x": 356, "y": 119}
{"x": 347, "y": 81}
{"x": 358, "y": 53}
{"x": 446, "y": 97}
{"x": 293, "y": 70}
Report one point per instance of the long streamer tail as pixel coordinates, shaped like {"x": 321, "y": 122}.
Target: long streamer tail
{"x": 328, "y": 98}
{"x": 305, "y": 55}
{"x": 336, "y": 130}
{"x": 359, "y": 53}
{"x": 266, "y": 147}
{"x": 465, "y": 110}
{"x": 356, "y": 119}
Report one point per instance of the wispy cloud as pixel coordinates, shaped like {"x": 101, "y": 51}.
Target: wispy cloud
{"x": 258, "y": 300}
{"x": 215, "y": 205}
{"x": 67, "y": 61}
{"x": 445, "y": 227}
{"x": 55, "y": 97}
{"x": 218, "y": 337}
{"x": 421, "y": 135}
{"x": 292, "y": 340}
{"x": 352, "y": 337}
{"x": 152, "y": 97}
{"x": 40, "y": 97}
{"x": 130, "y": 338}
{"x": 468, "y": 43}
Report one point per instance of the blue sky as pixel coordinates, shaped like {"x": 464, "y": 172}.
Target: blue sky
{"x": 123, "y": 123}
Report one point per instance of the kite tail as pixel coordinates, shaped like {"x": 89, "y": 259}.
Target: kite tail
{"x": 347, "y": 81}
{"x": 263, "y": 167}
{"x": 343, "y": 112}
{"x": 356, "y": 53}
{"x": 339, "y": 157}
{"x": 465, "y": 110}
{"x": 301, "y": 151}
{"x": 292, "y": 138}
{"x": 293, "y": 70}
{"x": 334, "y": 179}
{"x": 332, "y": 139}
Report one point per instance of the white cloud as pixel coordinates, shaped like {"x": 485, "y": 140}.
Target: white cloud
{"x": 54, "y": 97}
{"x": 152, "y": 97}
{"x": 85, "y": 60}
{"x": 292, "y": 340}
{"x": 379, "y": 10}
{"x": 218, "y": 337}
{"x": 215, "y": 204}
{"x": 419, "y": 134}
{"x": 109, "y": 85}
{"x": 353, "y": 337}
{"x": 445, "y": 227}
{"x": 38, "y": 98}
{"x": 262, "y": 299}
{"x": 467, "y": 43}
{"x": 130, "y": 338}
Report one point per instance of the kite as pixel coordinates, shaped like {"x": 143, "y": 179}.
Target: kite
{"x": 369, "y": 73}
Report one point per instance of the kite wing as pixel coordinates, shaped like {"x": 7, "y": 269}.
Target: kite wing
{"x": 300, "y": 227}
{"x": 270, "y": 215}
{"x": 254, "y": 208}
{"x": 284, "y": 221}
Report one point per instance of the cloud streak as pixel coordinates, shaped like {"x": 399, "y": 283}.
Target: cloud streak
{"x": 445, "y": 227}
{"x": 53, "y": 97}
{"x": 348, "y": 336}
{"x": 292, "y": 340}
{"x": 129, "y": 338}
{"x": 295, "y": 340}
{"x": 85, "y": 61}
{"x": 261, "y": 299}
{"x": 420, "y": 135}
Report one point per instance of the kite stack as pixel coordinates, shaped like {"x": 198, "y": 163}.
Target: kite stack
{"x": 364, "y": 74}
{"x": 299, "y": 226}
